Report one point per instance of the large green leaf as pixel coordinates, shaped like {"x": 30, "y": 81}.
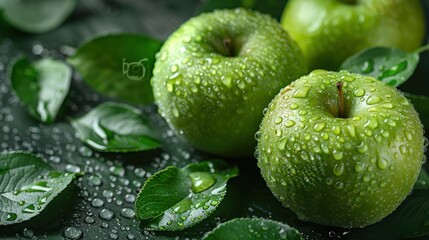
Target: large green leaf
{"x": 114, "y": 127}
{"x": 174, "y": 199}
{"x": 27, "y": 185}
{"x": 120, "y": 176}
{"x": 118, "y": 65}
{"x": 36, "y": 16}
{"x": 41, "y": 86}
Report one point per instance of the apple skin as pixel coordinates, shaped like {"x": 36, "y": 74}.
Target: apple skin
{"x": 346, "y": 172}
{"x": 214, "y": 101}
{"x": 329, "y": 31}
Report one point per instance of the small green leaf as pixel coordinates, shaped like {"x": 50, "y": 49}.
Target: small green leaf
{"x": 41, "y": 86}
{"x": 114, "y": 127}
{"x": 421, "y": 104}
{"x": 36, "y": 16}
{"x": 27, "y": 185}
{"x": 422, "y": 182}
{"x": 272, "y": 7}
{"x": 174, "y": 199}
{"x": 253, "y": 228}
{"x": 390, "y": 65}
{"x": 118, "y": 65}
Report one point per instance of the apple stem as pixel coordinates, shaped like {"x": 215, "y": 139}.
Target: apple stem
{"x": 227, "y": 44}
{"x": 340, "y": 99}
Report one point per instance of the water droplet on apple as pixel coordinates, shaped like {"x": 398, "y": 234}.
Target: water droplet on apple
{"x": 289, "y": 123}
{"x": 339, "y": 185}
{"x": 362, "y": 148}
{"x": 366, "y": 178}
{"x": 338, "y": 169}
{"x": 301, "y": 92}
{"x": 359, "y": 167}
{"x": 373, "y": 100}
{"x": 294, "y": 106}
{"x": 319, "y": 127}
{"x": 390, "y": 122}
{"x": 227, "y": 81}
{"x": 174, "y": 68}
{"x": 387, "y": 105}
{"x": 282, "y": 144}
{"x": 352, "y": 130}
{"x": 403, "y": 149}
{"x": 359, "y": 92}
{"x": 338, "y": 155}
{"x": 382, "y": 163}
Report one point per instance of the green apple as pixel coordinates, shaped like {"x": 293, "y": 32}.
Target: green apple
{"x": 216, "y": 73}
{"x": 340, "y": 149}
{"x": 329, "y": 31}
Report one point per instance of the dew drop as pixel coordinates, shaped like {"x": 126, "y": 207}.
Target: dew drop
{"x": 336, "y": 130}
{"x": 201, "y": 181}
{"x": 174, "y": 68}
{"x": 72, "y": 233}
{"x": 301, "y": 92}
{"x": 381, "y": 163}
{"x": 282, "y": 144}
{"x": 319, "y": 127}
{"x": 106, "y": 214}
{"x": 359, "y": 167}
{"x": 338, "y": 155}
{"x": 128, "y": 213}
{"x": 278, "y": 120}
{"x": 362, "y": 148}
{"x": 97, "y": 202}
{"x": 289, "y": 123}
{"x": 373, "y": 100}
{"x": 338, "y": 169}
{"x": 359, "y": 92}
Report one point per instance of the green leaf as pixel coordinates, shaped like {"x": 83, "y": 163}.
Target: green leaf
{"x": 174, "y": 199}
{"x": 253, "y": 228}
{"x": 421, "y": 104}
{"x": 36, "y": 16}
{"x": 118, "y": 65}
{"x": 114, "y": 127}
{"x": 422, "y": 182}
{"x": 27, "y": 185}
{"x": 390, "y": 65}
{"x": 42, "y": 86}
{"x": 272, "y": 7}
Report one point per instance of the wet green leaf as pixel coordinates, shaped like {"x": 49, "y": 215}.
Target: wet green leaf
{"x": 174, "y": 199}
{"x": 253, "y": 228}
{"x": 118, "y": 65}
{"x": 115, "y": 127}
{"x": 27, "y": 185}
{"x": 390, "y": 65}
{"x": 42, "y": 86}
{"x": 36, "y": 16}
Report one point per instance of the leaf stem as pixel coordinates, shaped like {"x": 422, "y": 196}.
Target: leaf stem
{"x": 340, "y": 99}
